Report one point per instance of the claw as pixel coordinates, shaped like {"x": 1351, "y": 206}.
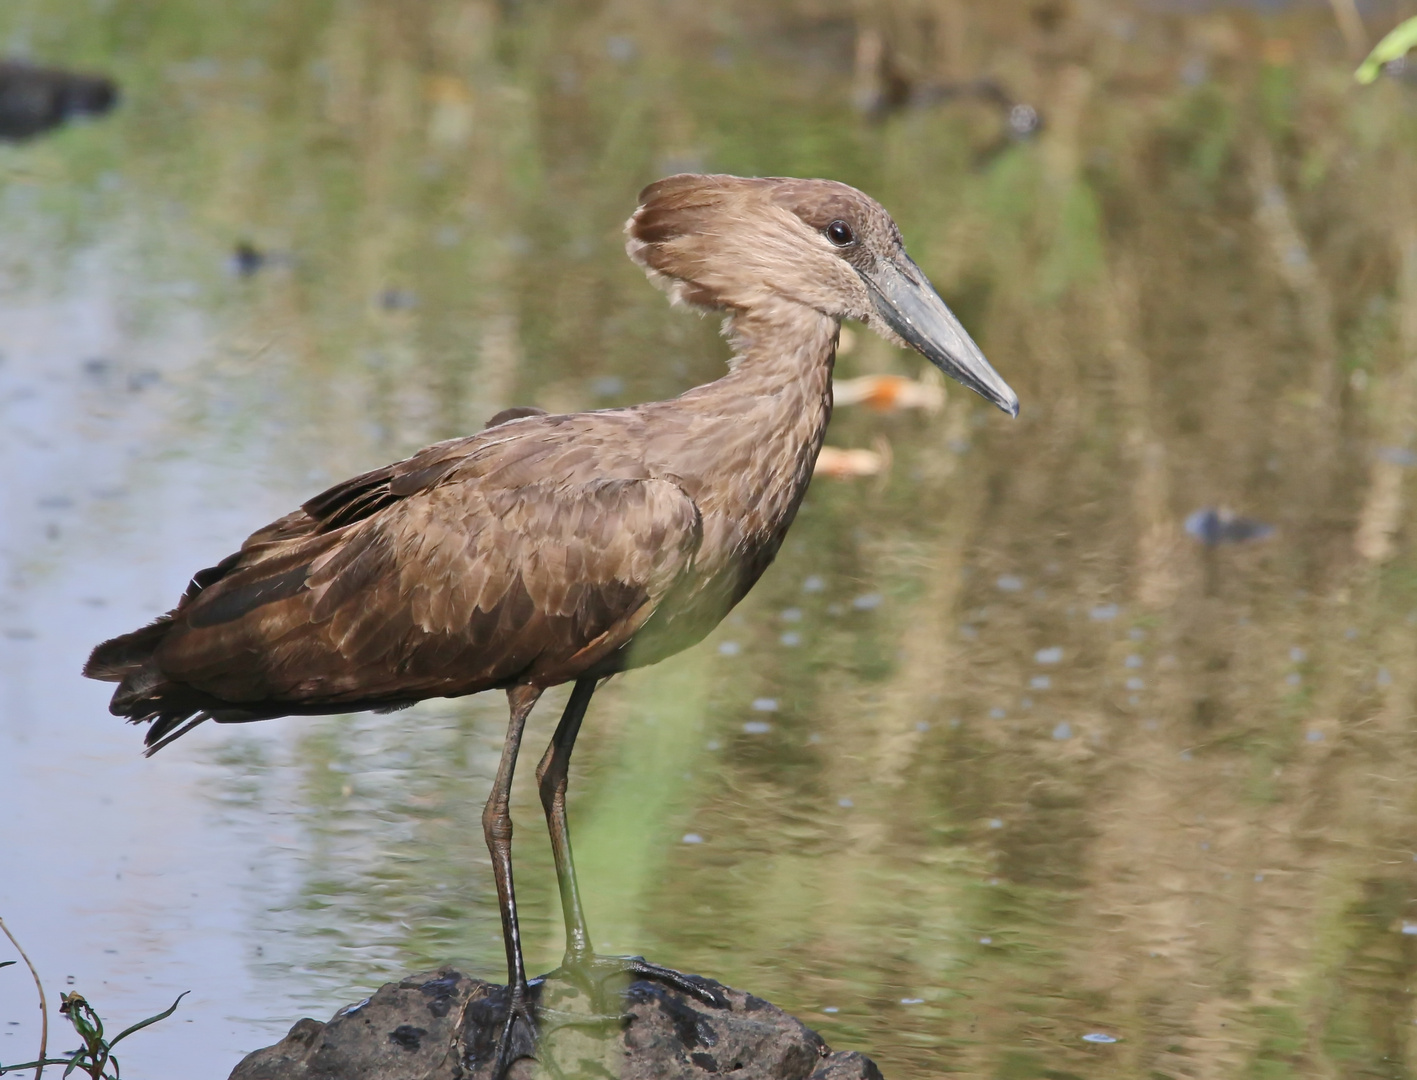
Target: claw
{"x": 591, "y": 973}
{"x": 519, "y": 1035}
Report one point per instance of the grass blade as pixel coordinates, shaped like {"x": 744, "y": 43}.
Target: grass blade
{"x": 150, "y": 1020}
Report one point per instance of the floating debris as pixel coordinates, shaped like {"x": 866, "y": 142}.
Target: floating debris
{"x": 34, "y": 99}
{"x": 247, "y": 260}
{"x": 1099, "y": 1037}
{"x": 1220, "y": 526}
{"x": 842, "y": 464}
{"x": 757, "y": 727}
{"x": 765, "y": 704}
{"x": 868, "y": 601}
{"x": 891, "y": 393}
{"x": 692, "y": 838}
{"x": 1051, "y": 655}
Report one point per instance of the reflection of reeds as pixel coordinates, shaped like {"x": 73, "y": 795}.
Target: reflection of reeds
{"x": 1396, "y": 400}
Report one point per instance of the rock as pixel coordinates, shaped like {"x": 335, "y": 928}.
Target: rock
{"x": 443, "y": 1025}
{"x": 35, "y": 99}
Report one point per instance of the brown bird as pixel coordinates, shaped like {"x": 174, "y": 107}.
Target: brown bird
{"x": 553, "y": 549}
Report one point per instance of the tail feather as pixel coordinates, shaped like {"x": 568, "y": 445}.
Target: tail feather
{"x": 144, "y": 694}
{"x": 169, "y": 726}
{"x": 119, "y": 657}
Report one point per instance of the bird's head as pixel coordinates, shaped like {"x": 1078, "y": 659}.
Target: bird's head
{"x": 743, "y": 244}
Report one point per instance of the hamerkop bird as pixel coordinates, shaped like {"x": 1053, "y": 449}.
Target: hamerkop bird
{"x": 554, "y": 549}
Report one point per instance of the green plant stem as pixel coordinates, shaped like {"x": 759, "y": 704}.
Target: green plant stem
{"x": 43, "y": 1008}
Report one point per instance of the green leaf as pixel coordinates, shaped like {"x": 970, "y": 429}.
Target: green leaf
{"x": 86, "y": 1031}
{"x": 1400, "y": 39}
{"x": 150, "y": 1020}
{"x": 32, "y": 1064}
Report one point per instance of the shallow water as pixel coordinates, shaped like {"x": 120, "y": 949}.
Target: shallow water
{"x": 999, "y": 771}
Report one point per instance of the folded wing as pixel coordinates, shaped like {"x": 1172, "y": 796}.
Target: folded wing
{"x": 475, "y": 564}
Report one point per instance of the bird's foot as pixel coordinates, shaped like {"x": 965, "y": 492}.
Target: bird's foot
{"x": 519, "y": 1035}
{"x": 597, "y": 975}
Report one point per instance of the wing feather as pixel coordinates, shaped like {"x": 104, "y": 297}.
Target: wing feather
{"x": 467, "y": 567}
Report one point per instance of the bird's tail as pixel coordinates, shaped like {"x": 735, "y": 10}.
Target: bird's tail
{"x": 144, "y": 694}
{"x": 117, "y": 659}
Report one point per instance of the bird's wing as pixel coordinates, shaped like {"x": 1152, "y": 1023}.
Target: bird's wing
{"x": 473, "y": 564}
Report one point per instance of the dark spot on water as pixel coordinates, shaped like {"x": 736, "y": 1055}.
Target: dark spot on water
{"x": 35, "y": 99}
{"x": 398, "y": 300}
{"x": 407, "y": 1036}
{"x": 1212, "y": 527}
{"x": 247, "y": 260}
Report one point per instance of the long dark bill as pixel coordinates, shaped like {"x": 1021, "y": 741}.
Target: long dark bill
{"x": 910, "y": 306}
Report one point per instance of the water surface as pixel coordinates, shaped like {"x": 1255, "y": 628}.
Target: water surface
{"x": 998, "y": 763}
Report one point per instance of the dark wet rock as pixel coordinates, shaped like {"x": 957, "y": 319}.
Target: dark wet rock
{"x": 443, "y": 1025}
{"x": 35, "y": 99}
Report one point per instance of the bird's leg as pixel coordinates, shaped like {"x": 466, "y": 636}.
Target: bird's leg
{"x": 551, "y": 781}
{"x": 580, "y": 963}
{"x": 519, "y": 1033}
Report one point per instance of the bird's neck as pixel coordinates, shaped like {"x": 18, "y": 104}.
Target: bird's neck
{"x": 782, "y": 345}
{"x": 763, "y": 422}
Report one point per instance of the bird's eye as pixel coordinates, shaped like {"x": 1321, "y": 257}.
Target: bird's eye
{"x": 840, "y": 234}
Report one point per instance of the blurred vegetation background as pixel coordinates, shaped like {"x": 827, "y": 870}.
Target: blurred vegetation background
{"x": 1023, "y": 760}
